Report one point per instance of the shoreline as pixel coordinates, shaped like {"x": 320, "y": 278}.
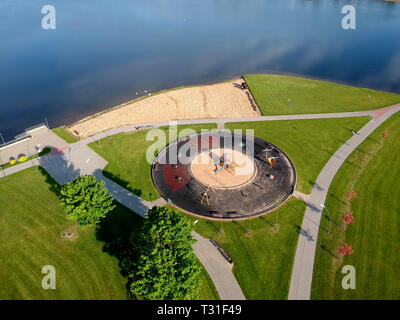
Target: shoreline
{"x": 151, "y": 94}
{"x": 216, "y": 100}
{"x": 207, "y": 83}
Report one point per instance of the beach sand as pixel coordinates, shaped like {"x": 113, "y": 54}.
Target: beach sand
{"x": 204, "y": 165}
{"x": 220, "y": 100}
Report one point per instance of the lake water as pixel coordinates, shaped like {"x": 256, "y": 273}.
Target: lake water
{"x": 103, "y": 51}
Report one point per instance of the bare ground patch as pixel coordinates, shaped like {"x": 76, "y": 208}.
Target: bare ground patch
{"x": 221, "y": 100}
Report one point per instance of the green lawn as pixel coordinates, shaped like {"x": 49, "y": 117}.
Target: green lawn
{"x": 115, "y": 232}
{"x": 263, "y": 258}
{"x": 65, "y": 135}
{"x": 263, "y": 261}
{"x": 373, "y": 172}
{"x": 31, "y": 219}
{"x": 308, "y": 143}
{"x": 311, "y": 96}
{"x": 320, "y": 138}
{"x": 126, "y": 156}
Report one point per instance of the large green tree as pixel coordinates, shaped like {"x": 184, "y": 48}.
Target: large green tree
{"x": 86, "y": 200}
{"x": 166, "y": 267}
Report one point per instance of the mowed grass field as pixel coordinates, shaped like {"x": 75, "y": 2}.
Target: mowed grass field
{"x": 126, "y": 156}
{"x": 263, "y": 257}
{"x": 312, "y": 96}
{"x": 373, "y": 172}
{"x": 31, "y": 219}
{"x": 308, "y": 143}
{"x": 65, "y": 135}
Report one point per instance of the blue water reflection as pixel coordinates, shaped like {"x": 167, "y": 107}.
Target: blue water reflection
{"x": 105, "y": 51}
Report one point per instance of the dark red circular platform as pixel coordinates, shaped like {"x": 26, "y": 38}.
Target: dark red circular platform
{"x": 271, "y": 185}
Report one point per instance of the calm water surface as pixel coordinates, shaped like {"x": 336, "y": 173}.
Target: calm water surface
{"x": 104, "y": 51}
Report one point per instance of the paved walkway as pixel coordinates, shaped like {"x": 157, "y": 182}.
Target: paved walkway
{"x": 222, "y": 121}
{"x": 77, "y": 159}
{"x": 302, "y": 196}
{"x": 218, "y": 269}
{"x": 302, "y": 273}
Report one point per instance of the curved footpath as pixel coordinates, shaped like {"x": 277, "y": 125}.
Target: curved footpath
{"x": 302, "y": 272}
{"x": 66, "y": 162}
{"x": 79, "y": 159}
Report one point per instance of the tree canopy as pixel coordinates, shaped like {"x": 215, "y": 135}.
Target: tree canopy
{"x": 86, "y": 200}
{"x": 166, "y": 267}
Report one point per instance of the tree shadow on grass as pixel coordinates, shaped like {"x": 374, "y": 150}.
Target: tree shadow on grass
{"x": 268, "y": 223}
{"x": 213, "y": 227}
{"x": 239, "y": 226}
{"x": 54, "y": 187}
{"x": 115, "y": 231}
{"x": 336, "y": 198}
{"x": 121, "y": 182}
{"x": 323, "y": 247}
{"x": 295, "y": 226}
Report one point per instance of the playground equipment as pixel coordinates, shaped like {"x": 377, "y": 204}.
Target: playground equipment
{"x": 205, "y": 194}
{"x": 271, "y": 159}
{"x": 204, "y": 187}
{"x": 225, "y": 163}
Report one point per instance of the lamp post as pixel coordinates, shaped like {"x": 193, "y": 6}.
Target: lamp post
{"x": 98, "y": 138}
{"x": 4, "y": 173}
{"x": 47, "y": 124}
{"x": 356, "y": 153}
{"x": 330, "y": 219}
{"x": 86, "y": 165}
{"x": 222, "y": 231}
{"x": 276, "y": 220}
{"x": 370, "y": 104}
{"x": 290, "y": 106}
{"x": 4, "y": 143}
{"x": 27, "y": 148}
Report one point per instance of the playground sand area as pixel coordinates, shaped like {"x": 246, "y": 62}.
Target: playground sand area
{"x": 206, "y": 167}
{"x": 220, "y": 100}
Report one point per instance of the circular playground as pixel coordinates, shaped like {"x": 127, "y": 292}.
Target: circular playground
{"x": 223, "y": 175}
{"x": 203, "y": 167}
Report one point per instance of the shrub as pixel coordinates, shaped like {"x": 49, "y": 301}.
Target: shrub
{"x": 22, "y": 159}
{"x": 44, "y": 151}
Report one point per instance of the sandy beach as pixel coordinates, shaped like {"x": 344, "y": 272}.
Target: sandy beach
{"x": 220, "y": 100}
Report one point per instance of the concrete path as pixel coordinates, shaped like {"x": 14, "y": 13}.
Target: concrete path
{"x": 302, "y": 273}
{"x": 40, "y": 136}
{"x": 218, "y": 268}
{"x": 222, "y": 121}
{"x": 78, "y": 159}
{"x": 302, "y": 196}
{"x": 221, "y": 125}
